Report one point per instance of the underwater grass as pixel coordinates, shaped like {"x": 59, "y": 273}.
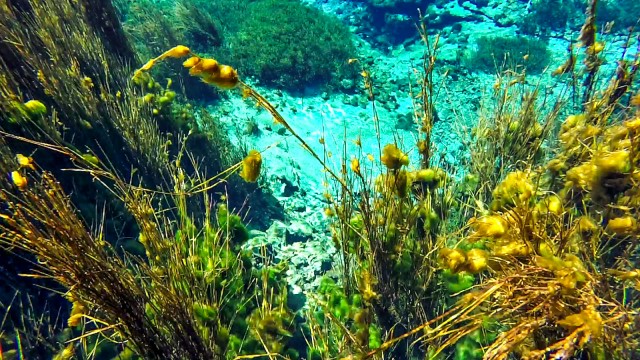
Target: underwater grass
{"x": 542, "y": 260}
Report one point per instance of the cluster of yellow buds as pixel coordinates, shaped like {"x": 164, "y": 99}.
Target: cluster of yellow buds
{"x": 209, "y": 70}
{"x": 473, "y": 261}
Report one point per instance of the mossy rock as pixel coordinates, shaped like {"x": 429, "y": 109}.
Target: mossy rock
{"x": 289, "y": 45}
{"x": 515, "y": 52}
{"x": 624, "y": 13}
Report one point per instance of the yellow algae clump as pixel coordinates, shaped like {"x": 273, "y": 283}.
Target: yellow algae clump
{"x": 492, "y": 226}
{"x": 355, "y": 166}
{"x": 575, "y": 131}
{"x": 617, "y": 133}
{"x": 622, "y": 225}
{"x": 147, "y": 66}
{"x": 570, "y": 272}
{"x": 581, "y": 176}
{"x": 211, "y": 72}
{"x": 573, "y": 120}
{"x": 452, "y": 259}
{"x": 148, "y": 99}
{"x": 176, "y": 52}
{"x": 227, "y": 78}
{"x": 553, "y": 204}
{"x": 425, "y": 175}
{"x": 191, "y": 62}
{"x": 550, "y": 205}
{"x": 633, "y": 124}
{"x": 393, "y": 158}
{"x": 616, "y": 162}
{"x": 251, "y": 166}
{"x": 455, "y": 260}
{"x": 512, "y": 248}
{"x": 25, "y": 161}
{"x": 19, "y": 180}
{"x": 586, "y": 224}
{"x": 210, "y": 66}
{"x": 77, "y": 312}
{"x": 206, "y": 68}
{"x": 476, "y": 260}
{"x": 588, "y": 318}
{"x": 515, "y": 189}
{"x": 596, "y": 48}
{"x": 35, "y": 107}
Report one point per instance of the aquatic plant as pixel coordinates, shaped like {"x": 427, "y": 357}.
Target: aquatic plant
{"x": 308, "y": 49}
{"x": 199, "y": 27}
{"x": 291, "y": 56}
{"x": 508, "y": 135}
{"x": 554, "y": 269}
{"x": 548, "y": 15}
{"x": 387, "y": 235}
{"x": 192, "y": 292}
{"x": 495, "y": 53}
{"x": 537, "y": 260}
{"x": 81, "y": 100}
{"x": 624, "y": 13}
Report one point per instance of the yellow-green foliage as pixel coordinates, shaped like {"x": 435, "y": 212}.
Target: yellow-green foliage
{"x": 515, "y": 189}
{"x": 509, "y": 134}
{"x": 393, "y": 158}
{"x": 343, "y": 315}
{"x": 543, "y": 231}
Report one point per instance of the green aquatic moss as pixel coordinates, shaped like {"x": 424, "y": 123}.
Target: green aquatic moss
{"x": 624, "y": 13}
{"x": 308, "y": 48}
{"x": 375, "y": 337}
{"x": 471, "y": 346}
{"x": 468, "y": 349}
{"x": 457, "y": 282}
{"x": 232, "y": 225}
{"x": 491, "y": 52}
{"x": 314, "y": 354}
{"x": 397, "y": 5}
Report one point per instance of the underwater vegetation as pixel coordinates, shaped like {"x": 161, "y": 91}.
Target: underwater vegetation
{"x": 129, "y": 205}
{"x": 493, "y": 53}
{"x": 320, "y": 48}
{"x": 308, "y": 49}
